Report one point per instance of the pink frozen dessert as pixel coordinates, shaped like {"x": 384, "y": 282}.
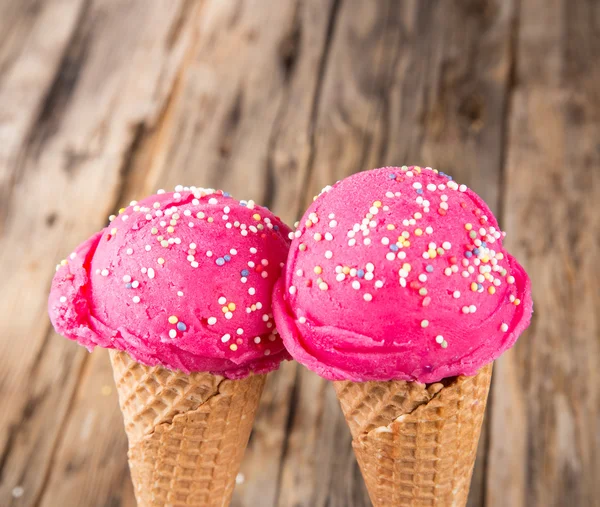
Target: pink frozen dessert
{"x": 181, "y": 280}
{"x": 400, "y": 273}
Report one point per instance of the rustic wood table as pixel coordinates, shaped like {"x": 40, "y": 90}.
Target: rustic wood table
{"x": 103, "y": 101}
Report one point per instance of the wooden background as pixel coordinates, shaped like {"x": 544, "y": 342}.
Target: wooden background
{"x": 103, "y": 101}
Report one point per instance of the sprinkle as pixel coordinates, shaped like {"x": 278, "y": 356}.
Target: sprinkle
{"x": 422, "y": 277}
{"x": 370, "y": 267}
{"x": 323, "y": 286}
{"x": 252, "y": 291}
{"x": 424, "y": 323}
{"x": 292, "y": 289}
{"x": 127, "y": 279}
{"x": 63, "y": 299}
{"x": 225, "y": 338}
{"x": 136, "y": 299}
{"x": 504, "y": 327}
{"x": 150, "y": 273}
{"x": 465, "y": 309}
{"x": 328, "y": 254}
{"x": 472, "y": 308}
{"x": 439, "y": 339}
{"x": 211, "y": 321}
{"x": 129, "y": 251}
{"x": 173, "y": 319}
{"x": 173, "y": 333}
{"x": 104, "y": 272}
{"x": 179, "y": 293}
{"x": 318, "y": 270}
{"x": 181, "y": 326}
{"x": 368, "y": 297}
{"x": 356, "y": 284}
{"x": 510, "y": 279}
{"x": 161, "y": 260}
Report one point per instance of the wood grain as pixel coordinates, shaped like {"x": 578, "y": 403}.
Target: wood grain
{"x": 546, "y": 406}
{"x": 102, "y": 101}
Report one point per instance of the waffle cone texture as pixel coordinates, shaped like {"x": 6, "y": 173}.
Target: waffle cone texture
{"x": 415, "y": 443}
{"x": 187, "y": 433}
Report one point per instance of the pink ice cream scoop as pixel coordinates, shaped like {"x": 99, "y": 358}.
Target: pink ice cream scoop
{"x": 399, "y": 273}
{"x": 182, "y": 280}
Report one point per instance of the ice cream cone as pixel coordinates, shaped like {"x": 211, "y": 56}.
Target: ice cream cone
{"x": 187, "y": 433}
{"x": 416, "y": 443}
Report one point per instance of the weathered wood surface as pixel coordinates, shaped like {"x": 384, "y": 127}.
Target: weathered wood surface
{"x": 102, "y": 101}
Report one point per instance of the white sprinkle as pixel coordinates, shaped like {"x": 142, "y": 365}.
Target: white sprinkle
{"x": 144, "y": 270}
{"x": 252, "y": 291}
{"x": 194, "y": 264}
{"x": 129, "y": 251}
{"x": 369, "y": 276}
{"x": 462, "y": 188}
{"x": 222, "y": 300}
{"x": 150, "y": 273}
{"x": 504, "y": 327}
{"x": 292, "y": 289}
{"x": 422, "y": 277}
{"x": 378, "y": 284}
{"x": 136, "y": 299}
{"x": 356, "y": 284}
{"x": 179, "y": 293}
{"x": 446, "y": 245}
{"x": 370, "y": 267}
{"x": 465, "y": 309}
{"x": 173, "y": 333}
{"x": 472, "y": 308}
{"x": 211, "y": 321}
{"x": 352, "y": 242}
{"x": 147, "y": 248}
{"x": 439, "y": 339}
{"x": 511, "y": 279}
{"x": 456, "y": 294}
{"x": 104, "y": 272}
{"x": 127, "y": 279}
{"x": 368, "y": 297}
{"x": 225, "y": 338}
{"x": 424, "y": 323}
{"x": 135, "y": 284}
{"x": 212, "y": 200}
{"x": 63, "y": 299}
{"x": 429, "y": 230}
{"x": 390, "y": 256}
{"x": 340, "y": 277}
{"x": 302, "y": 320}
{"x": 367, "y": 241}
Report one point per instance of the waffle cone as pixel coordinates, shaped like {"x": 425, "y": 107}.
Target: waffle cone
{"x": 187, "y": 433}
{"x": 415, "y": 443}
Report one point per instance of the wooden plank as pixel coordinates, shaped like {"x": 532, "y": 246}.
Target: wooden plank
{"x": 411, "y": 82}
{"x": 68, "y": 109}
{"x": 544, "y": 440}
{"x": 247, "y": 79}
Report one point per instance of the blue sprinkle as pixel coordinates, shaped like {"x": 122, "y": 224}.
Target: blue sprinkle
{"x": 220, "y": 261}
{"x": 476, "y": 251}
{"x": 275, "y": 227}
{"x": 227, "y": 258}
{"x": 181, "y": 326}
{"x": 429, "y": 268}
{"x": 128, "y": 286}
{"x": 392, "y": 176}
{"x": 483, "y": 243}
{"x": 243, "y": 203}
{"x": 419, "y": 190}
{"x": 479, "y": 286}
{"x": 360, "y": 273}
{"x": 468, "y": 254}
{"x": 394, "y": 248}
{"x": 245, "y": 272}
{"x": 226, "y": 194}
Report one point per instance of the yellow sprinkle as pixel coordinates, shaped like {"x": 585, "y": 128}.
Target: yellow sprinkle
{"x": 468, "y": 227}
{"x": 164, "y": 243}
{"x": 485, "y": 259}
{"x": 517, "y": 302}
{"x": 231, "y": 307}
{"x": 159, "y": 239}
{"x": 121, "y": 210}
{"x": 302, "y": 247}
{"x": 432, "y": 254}
{"x": 418, "y": 232}
{"x": 377, "y": 204}
{"x": 63, "y": 262}
{"x": 323, "y": 286}
{"x": 170, "y": 229}
{"x": 405, "y": 234}
{"x": 346, "y": 270}
{"x": 406, "y": 266}
{"x": 256, "y": 217}
{"x": 173, "y": 319}
{"x": 308, "y": 223}
{"x": 224, "y": 309}
{"x": 113, "y": 231}
{"x": 233, "y": 347}
{"x": 318, "y": 270}
{"x": 492, "y": 290}
{"x": 474, "y": 287}
{"x": 161, "y": 260}
{"x": 173, "y": 222}
{"x": 407, "y": 244}
{"x": 390, "y": 227}
{"x": 154, "y": 230}
{"x": 253, "y": 308}
{"x": 210, "y": 220}
{"x": 176, "y": 216}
